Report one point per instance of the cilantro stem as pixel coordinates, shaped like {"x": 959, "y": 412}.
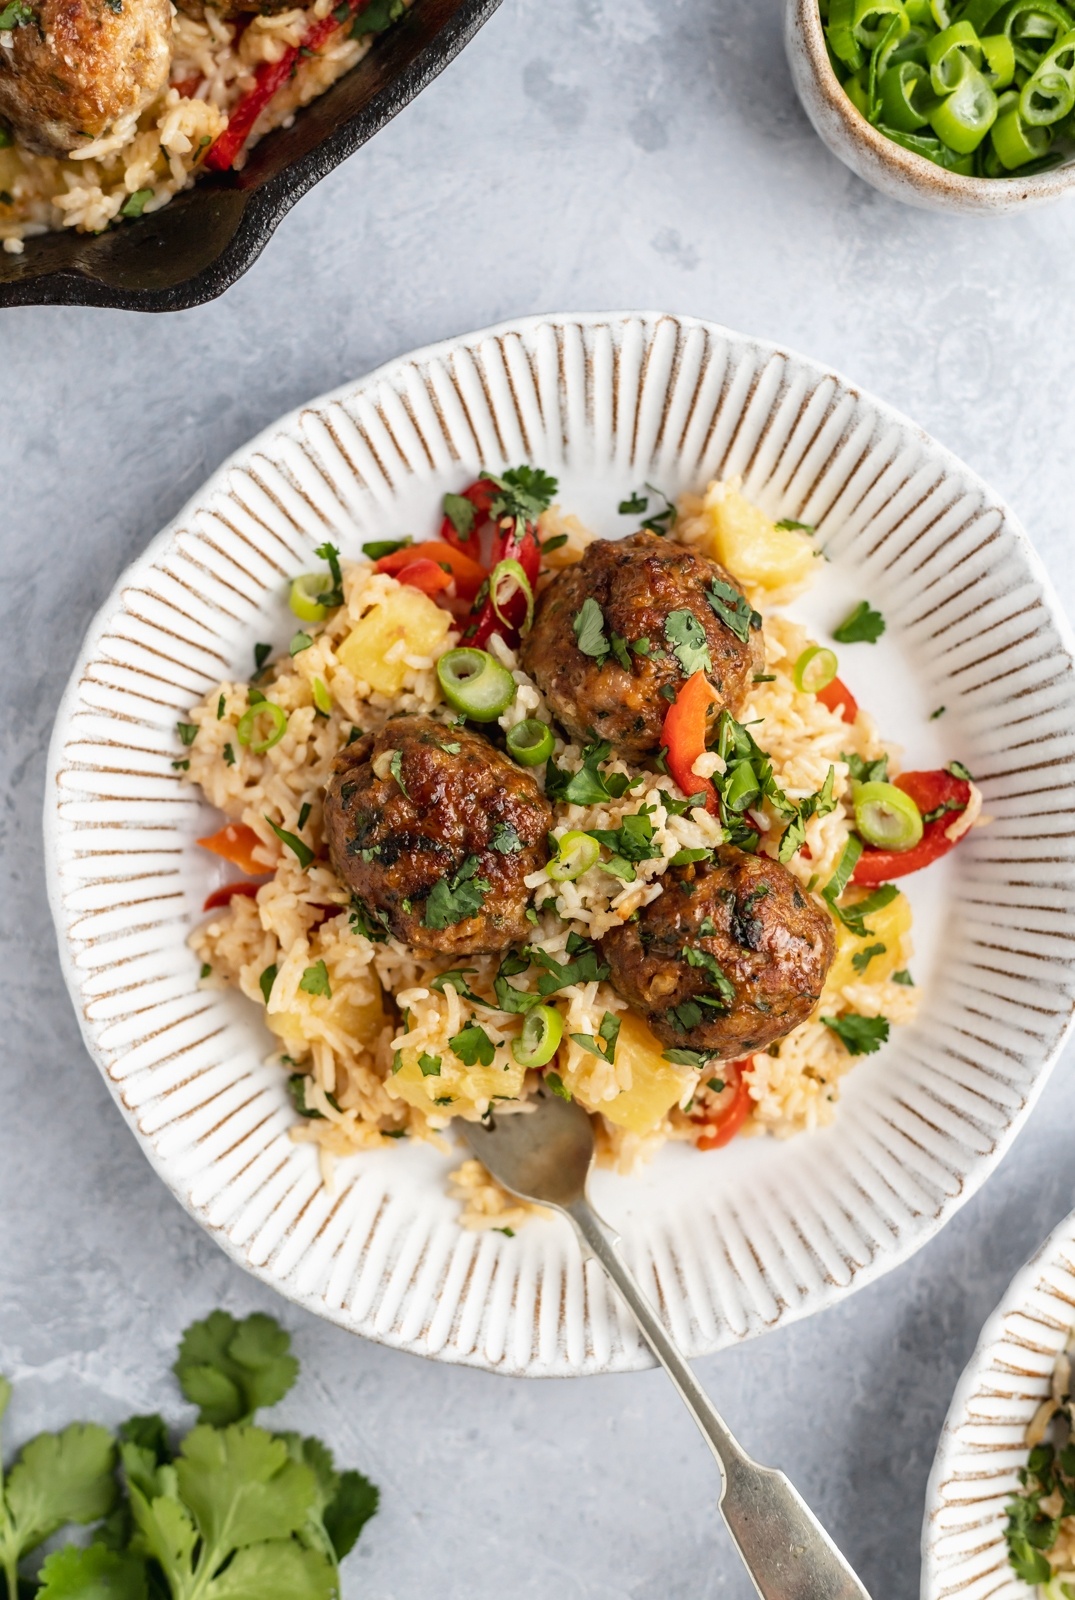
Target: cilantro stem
{"x": 11, "y": 1573}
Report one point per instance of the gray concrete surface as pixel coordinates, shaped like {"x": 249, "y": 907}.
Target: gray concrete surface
{"x": 582, "y": 154}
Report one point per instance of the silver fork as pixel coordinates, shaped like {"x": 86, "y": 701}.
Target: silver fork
{"x": 545, "y": 1156}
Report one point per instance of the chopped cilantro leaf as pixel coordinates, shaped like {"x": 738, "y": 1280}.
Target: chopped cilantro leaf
{"x": 378, "y": 548}
{"x": 456, "y": 897}
{"x": 938, "y": 713}
{"x": 221, "y": 703}
{"x": 862, "y": 626}
{"x": 584, "y": 968}
{"x": 556, "y": 1084}
{"x": 230, "y": 1369}
{"x": 473, "y": 1045}
{"x": 430, "y": 1065}
{"x": 733, "y": 609}
{"x": 619, "y": 650}
{"x": 634, "y": 506}
{"x": 297, "y": 1085}
{"x": 373, "y": 925}
{"x": 661, "y": 522}
{"x": 687, "y": 641}
{"x": 557, "y": 542}
{"x": 376, "y": 17}
{"x": 605, "y": 1043}
{"x": 506, "y": 839}
{"x": 266, "y": 981}
{"x": 456, "y": 979}
{"x": 262, "y": 652}
{"x": 688, "y": 854}
{"x": 866, "y": 771}
{"x": 716, "y": 1085}
{"x": 299, "y": 642}
{"x": 958, "y": 770}
{"x": 942, "y": 810}
{"x": 302, "y": 852}
{"x": 136, "y": 203}
{"x": 686, "y": 1058}
{"x": 789, "y": 525}
{"x": 854, "y": 916}
{"x": 229, "y": 755}
{"x": 315, "y": 980}
{"x": 904, "y": 977}
{"x": 395, "y": 767}
{"x": 725, "y": 989}
{"x": 861, "y": 1036}
{"x": 587, "y": 787}
{"x": 304, "y": 814}
{"x": 460, "y": 513}
{"x": 589, "y": 629}
{"x": 862, "y": 958}
{"x": 525, "y": 492}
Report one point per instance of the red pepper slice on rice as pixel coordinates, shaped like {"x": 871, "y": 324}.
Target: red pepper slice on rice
{"x": 931, "y": 792}
{"x": 684, "y": 736}
{"x": 836, "y": 696}
{"x": 723, "y": 1121}
{"x": 236, "y": 843}
{"x": 227, "y": 892}
{"x": 467, "y": 574}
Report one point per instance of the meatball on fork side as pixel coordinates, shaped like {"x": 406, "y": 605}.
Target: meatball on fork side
{"x": 435, "y": 831}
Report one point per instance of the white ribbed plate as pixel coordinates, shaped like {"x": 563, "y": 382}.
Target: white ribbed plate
{"x": 731, "y": 1243}
{"x": 983, "y": 1446}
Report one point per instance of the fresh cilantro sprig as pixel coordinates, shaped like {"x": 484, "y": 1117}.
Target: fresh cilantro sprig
{"x": 333, "y": 596}
{"x": 604, "y": 1046}
{"x": 819, "y": 804}
{"x": 632, "y": 841}
{"x": 525, "y": 492}
{"x": 864, "y": 625}
{"x": 589, "y": 629}
{"x": 233, "y": 1513}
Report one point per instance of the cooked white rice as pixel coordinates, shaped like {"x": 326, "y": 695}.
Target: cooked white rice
{"x": 345, "y": 1045}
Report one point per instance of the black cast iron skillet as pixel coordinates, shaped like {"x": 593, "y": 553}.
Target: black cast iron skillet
{"x": 203, "y": 240}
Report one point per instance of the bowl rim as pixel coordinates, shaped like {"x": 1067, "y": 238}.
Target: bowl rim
{"x": 913, "y": 1238}
{"x": 925, "y": 176}
{"x": 264, "y": 205}
{"x": 1015, "y": 1299}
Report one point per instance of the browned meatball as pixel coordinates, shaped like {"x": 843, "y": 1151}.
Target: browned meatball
{"x": 435, "y": 831}
{"x": 729, "y": 958}
{"x": 638, "y": 583}
{"x": 75, "y": 67}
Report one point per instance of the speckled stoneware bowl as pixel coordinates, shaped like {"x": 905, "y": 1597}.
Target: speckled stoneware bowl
{"x": 897, "y": 172}
{"x": 983, "y": 1446}
{"x": 731, "y": 1243}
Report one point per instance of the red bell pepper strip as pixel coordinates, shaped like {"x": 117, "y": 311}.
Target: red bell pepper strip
{"x": 227, "y": 892}
{"x": 481, "y": 496}
{"x": 268, "y": 78}
{"x": 929, "y": 791}
{"x": 525, "y": 548}
{"x": 836, "y": 696}
{"x": 684, "y": 736}
{"x": 469, "y": 574}
{"x": 726, "y": 1123}
{"x": 428, "y": 576}
{"x": 236, "y": 843}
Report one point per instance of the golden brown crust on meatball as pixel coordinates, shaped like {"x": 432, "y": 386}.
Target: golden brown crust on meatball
{"x": 424, "y": 819}
{"x": 747, "y": 925}
{"x": 637, "y": 582}
{"x": 80, "y": 66}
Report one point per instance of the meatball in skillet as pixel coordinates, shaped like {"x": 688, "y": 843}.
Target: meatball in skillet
{"x": 729, "y": 958}
{"x": 76, "y": 67}
{"x": 435, "y": 831}
{"x": 651, "y": 598}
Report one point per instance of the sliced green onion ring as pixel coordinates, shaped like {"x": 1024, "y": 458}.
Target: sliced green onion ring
{"x": 886, "y": 817}
{"x": 964, "y": 117}
{"x": 998, "y": 60}
{"x": 246, "y": 726}
{"x": 540, "y": 1038}
{"x": 815, "y": 669}
{"x": 303, "y": 598}
{"x": 576, "y": 855}
{"x": 530, "y": 742}
{"x": 1015, "y": 142}
{"x": 322, "y": 697}
{"x": 900, "y": 87}
{"x": 511, "y": 574}
{"x": 947, "y": 54}
{"x": 473, "y": 683}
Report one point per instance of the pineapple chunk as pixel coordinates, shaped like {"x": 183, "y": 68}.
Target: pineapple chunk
{"x": 405, "y": 614}
{"x": 656, "y": 1085}
{"x": 311, "y": 1018}
{"x": 754, "y": 550}
{"x": 466, "y": 1087}
{"x": 887, "y": 927}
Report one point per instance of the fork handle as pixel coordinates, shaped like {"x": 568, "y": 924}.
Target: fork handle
{"x": 784, "y": 1547}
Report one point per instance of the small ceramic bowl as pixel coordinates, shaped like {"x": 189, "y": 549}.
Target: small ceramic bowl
{"x": 888, "y": 166}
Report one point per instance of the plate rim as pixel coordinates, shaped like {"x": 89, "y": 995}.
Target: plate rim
{"x": 882, "y": 1262}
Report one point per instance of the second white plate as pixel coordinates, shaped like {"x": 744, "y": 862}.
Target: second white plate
{"x": 730, "y": 1243}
